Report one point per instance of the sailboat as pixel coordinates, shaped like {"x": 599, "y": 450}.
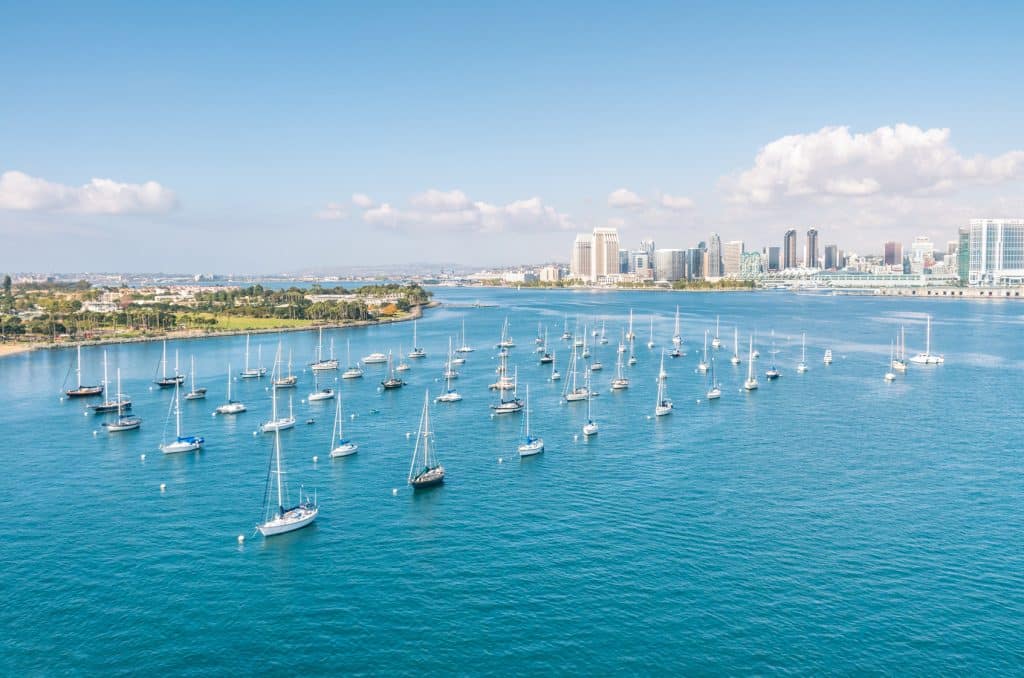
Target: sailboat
{"x": 632, "y": 354}
{"x": 677, "y": 337}
{"x": 899, "y": 363}
{"x": 573, "y": 391}
{"x": 604, "y": 337}
{"x": 716, "y": 343}
{"x": 801, "y": 366}
{"x": 539, "y": 340}
{"x": 279, "y": 423}
{"x": 119, "y": 403}
{"x": 630, "y": 335}
{"x": 277, "y": 518}
{"x": 751, "y": 383}
{"x": 417, "y": 350}
{"x": 927, "y": 358}
{"x": 773, "y": 372}
{"x": 402, "y": 366}
{"x": 181, "y": 443}
{"x": 828, "y": 357}
{"x": 735, "y": 359}
{"x": 585, "y": 353}
{"x": 164, "y": 381}
{"x": 590, "y": 428}
{"x": 546, "y": 355}
{"x": 195, "y": 393}
{"x": 620, "y": 381}
{"x": 622, "y": 343}
{"x": 340, "y": 445}
{"x": 509, "y": 405}
{"x": 555, "y": 376}
{"x": 450, "y": 395}
{"x": 353, "y": 371}
{"x": 124, "y": 421}
{"x": 890, "y": 375}
{"x": 663, "y": 405}
{"x": 230, "y": 406}
{"x": 566, "y": 335}
{"x": 425, "y": 470}
{"x": 650, "y": 339}
{"x": 253, "y": 372}
{"x": 322, "y": 364}
{"x": 703, "y": 365}
{"x": 530, "y": 445}
{"x": 81, "y": 391}
{"x": 285, "y": 381}
{"x": 391, "y": 381}
{"x": 465, "y": 348}
{"x": 596, "y": 365}
{"x": 325, "y": 393}
{"x": 505, "y": 382}
{"x": 715, "y": 388}
{"x": 506, "y": 338}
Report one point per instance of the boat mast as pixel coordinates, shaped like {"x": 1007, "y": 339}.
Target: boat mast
{"x": 246, "y": 353}
{"x": 750, "y": 361}
{"x": 177, "y": 413}
{"x": 79, "y": 370}
{"x": 163, "y": 363}
{"x": 229, "y": 382}
{"x": 277, "y": 456}
{"x": 928, "y": 337}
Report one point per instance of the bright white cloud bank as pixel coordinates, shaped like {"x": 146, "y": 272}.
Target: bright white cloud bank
{"x": 19, "y": 191}
{"x": 455, "y": 211}
{"x": 831, "y": 163}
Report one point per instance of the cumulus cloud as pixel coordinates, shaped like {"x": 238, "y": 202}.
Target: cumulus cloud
{"x": 902, "y": 160}
{"x": 362, "y": 201}
{"x": 623, "y": 198}
{"x": 455, "y": 211}
{"x": 675, "y": 202}
{"x": 19, "y": 191}
{"x": 332, "y": 212}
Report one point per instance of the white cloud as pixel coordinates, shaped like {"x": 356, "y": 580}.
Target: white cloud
{"x": 362, "y": 201}
{"x": 455, "y": 211}
{"x": 902, "y": 160}
{"x": 332, "y": 212}
{"x": 19, "y": 191}
{"x": 675, "y": 202}
{"x": 623, "y": 198}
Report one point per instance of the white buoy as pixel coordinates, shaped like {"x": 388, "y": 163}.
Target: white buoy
{"x": 394, "y": 491}
{"x": 302, "y": 400}
{"x": 241, "y": 539}
{"x": 408, "y": 434}
{"x": 163, "y": 487}
{"x": 85, "y": 414}
{"x": 213, "y": 414}
{"x": 500, "y": 460}
{"x": 62, "y": 398}
{"x": 576, "y": 437}
{"x": 142, "y": 457}
{"x": 150, "y": 388}
{"x": 315, "y": 459}
{"x": 255, "y": 432}
{"x": 648, "y": 417}
{"x": 351, "y": 416}
{"x": 96, "y": 432}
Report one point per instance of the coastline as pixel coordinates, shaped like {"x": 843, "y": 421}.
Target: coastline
{"x": 15, "y": 348}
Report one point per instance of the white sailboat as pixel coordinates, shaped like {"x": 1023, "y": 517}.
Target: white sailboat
{"x": 632, "y": 354}
{"x": 801, "y": 367}
{"x": 230, "y": 406}
{"x": 165, "y": 381}
{"x": 828, "y": 357}
{"x": 589, "y": 428}
{"x": 677, "y": 337}
{"x": 620, "y": 381}
{"x": 650, "y": 339}
{"x": 773, "y": 372}
{"x": 82, "y": 391}
{"x": 573, "y": 392}
{"x": 391, "y": 381}
{"x": 899, "y": 363}
{"x": 735, "y": 359}
{"x": 604, "y": 337}
{"x": 118, "y": 403}
{"x": 585, "y": 353}
{"x": 279, "y": 423}
{"x": 322, "y": 364}
{"x": 664, "y": 404}
{"x": 509, "y": 405}
{"x": 555, "y": 376}
{"x": 546, "y": 356}
{"x": 425, "y": 470}
{"x": 124, "y": 421}
{"x": 506, "y": 338}
{"x": 927, "y": 358}
{"x": 703, "y": 365}
{"x": 340, "y": 445}
{"x": 566, "y": 335}
{"x": 751, "y": 383}
{"x": 714, "y": 387}
{"x": 890, "y": 375}
{"x": 465, "y": 348}
{"x": 630, "y": 335}
{"x": 253, "y": 372}
{"x": 417, "y": 350}
{"x": 402, "y": 366}
{"x": 716, "y": 343}
{"x": 450, "y": 395}
{"x": 276, "y": 518}
{"x": 449, "y": 366}
{"x": 180, "y": 443}
{"x": 325, "y": 393}
{"x": 285, "y": 380}
{"x": 194, "y": 392}
{"x": 530, "y": 445}
{"x": 353, "y": 371}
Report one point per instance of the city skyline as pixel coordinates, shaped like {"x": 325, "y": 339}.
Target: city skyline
{"x": 310, "y": 145}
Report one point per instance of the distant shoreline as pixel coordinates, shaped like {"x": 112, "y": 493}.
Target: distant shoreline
{"x": 17, "y": 348}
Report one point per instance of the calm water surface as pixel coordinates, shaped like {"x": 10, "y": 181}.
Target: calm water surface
{"x": 828, "y": 522}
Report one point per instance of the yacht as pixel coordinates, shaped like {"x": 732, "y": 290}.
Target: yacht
{"x": 276, "y": 518}
{"x": 751, "y": 383}
{"x": 927, "y": 358}
{"x": 124, "y": 421}
{"x": 417, "y": 350}
{"x": 375, "y": 358}
{"x": 322, "y": 364}
{"x": 340, "y": 445}
{"x": 180, "y": 443}
{"x": 530, "y": 445}
{"x": 663, "y": 405}
{"x": 828, "y": 356}
{"x": 425, "y": 470}
{"x": 231, "y": 406}
{"x": 83, "y": 391}
{"x": 801, "y": 367}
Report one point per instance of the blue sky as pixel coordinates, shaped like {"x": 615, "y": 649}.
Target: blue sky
{"x": 492, "y": 134}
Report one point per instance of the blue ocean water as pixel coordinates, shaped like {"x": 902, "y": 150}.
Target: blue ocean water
{"x": 827, "y": 523}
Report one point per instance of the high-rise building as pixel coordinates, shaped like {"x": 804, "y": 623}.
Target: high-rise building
{"x": 694, "y": 259}
{"x": 713, "y": 269}
{"x": 996, "y": 252}
{"x": 772, "y": 263}
{"x": 605, "y": 253}
{"x": 648, "y": 246}
{"x": 963, "y": 258}
{"x": 893, "y": 253}
{"x": 751, "y": 265}
{"x": 789, "y": 249}
{"x": 922, "y": 252}
{"x": 639, "y": 262}
{"x": 623, "y": 261}
{"x": 811, "y": 254}
{"x": 732, "y": 251}
{"x": 669, "y": 264}
{"x": 581, "y": 263}
{"x": 831, "y": 258}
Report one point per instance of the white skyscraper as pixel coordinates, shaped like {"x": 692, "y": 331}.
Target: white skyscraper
{"x": 581, "y": 263}
{"x": 605, "y": 253}
{"x": 732, "y": 253}
{"x": 996, "y": 252}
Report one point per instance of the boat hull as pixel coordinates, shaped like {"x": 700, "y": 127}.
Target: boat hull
{"x": 532, "y": 448}
{"x": 320, "y": 395}
{"x": 231, "y": 408}
{"x": 431, "y": 478}
{"x": 84, "y": 392}
{"x": 344, "y": 450}
{"x": 294, "y": 519}
{"x": 183, "y": 445}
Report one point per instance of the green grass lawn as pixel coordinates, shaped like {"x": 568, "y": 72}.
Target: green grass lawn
{"x": 231, "y": 322}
